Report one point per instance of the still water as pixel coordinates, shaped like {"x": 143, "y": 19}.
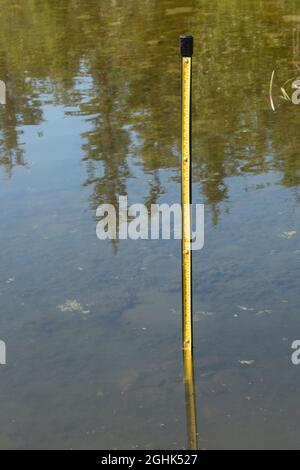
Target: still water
{"x": 93, "y": 328}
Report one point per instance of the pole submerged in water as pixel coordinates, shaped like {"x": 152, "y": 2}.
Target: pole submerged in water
{"x": 190, "y": 400}
{"x": 186, "y": 51}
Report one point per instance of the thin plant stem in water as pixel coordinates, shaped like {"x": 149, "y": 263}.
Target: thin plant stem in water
{"x": 270, "y": 91}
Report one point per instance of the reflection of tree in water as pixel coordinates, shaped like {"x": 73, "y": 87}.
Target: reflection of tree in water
{"x": 107, "y": 145}
{"x": 130, "y": 53}
{"x": 22, "y": 107}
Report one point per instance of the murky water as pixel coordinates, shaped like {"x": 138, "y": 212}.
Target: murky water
{"x": 93, "y": 328}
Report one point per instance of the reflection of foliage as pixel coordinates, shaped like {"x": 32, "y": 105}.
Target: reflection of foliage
{"x": 23, "y": 107}
{"x": 117, "y": 63}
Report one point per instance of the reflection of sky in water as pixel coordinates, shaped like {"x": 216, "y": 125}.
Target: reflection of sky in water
{"x": 107, "y": 372}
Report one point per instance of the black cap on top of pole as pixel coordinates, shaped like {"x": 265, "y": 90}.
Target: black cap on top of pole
{"x": 186, "y": 45}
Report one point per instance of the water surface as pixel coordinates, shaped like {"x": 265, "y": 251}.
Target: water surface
{"x": 93, "y": 328}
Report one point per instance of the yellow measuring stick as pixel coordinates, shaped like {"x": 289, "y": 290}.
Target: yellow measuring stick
{"x": 186, "y": 48}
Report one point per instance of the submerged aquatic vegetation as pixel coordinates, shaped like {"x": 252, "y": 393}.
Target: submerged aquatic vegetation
{"x": 73, "y": 306}
{"x": 289, "y": 234}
